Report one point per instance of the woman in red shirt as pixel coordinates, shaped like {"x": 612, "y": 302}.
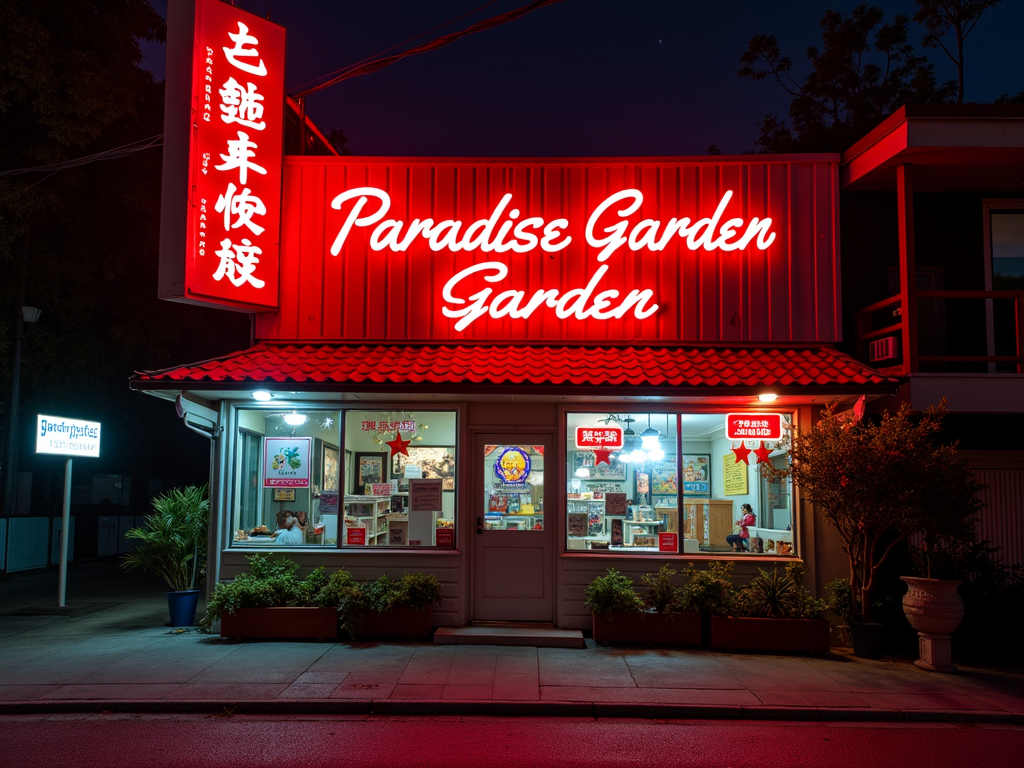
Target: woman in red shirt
{"x": 738, "y": 541}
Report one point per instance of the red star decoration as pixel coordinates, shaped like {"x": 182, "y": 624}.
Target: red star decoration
{"x": 762, "y": 453}
{"x": 398, "y": 445}
{"x": 603, "y": 455}
{"x": 742, "y": 453}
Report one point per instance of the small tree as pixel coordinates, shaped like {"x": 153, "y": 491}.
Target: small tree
{"x": 172, "y": 541}
{"x": 878, "y": 482}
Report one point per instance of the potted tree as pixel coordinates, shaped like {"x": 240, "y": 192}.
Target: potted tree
{"x": 172, "y": 543}
{"x": 878, "y": 482}
{"x": 621, "y": 614}
{"x": 774, "y": 612}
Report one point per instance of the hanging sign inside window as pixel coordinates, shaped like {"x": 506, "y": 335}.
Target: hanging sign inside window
{"x": 235, "y": 160}
{"x": 355, "y": 535}
{"x": 599, "y": 437}
{"x": 286, "y": 462}
{"x": 753, "y": 426}
{"x": 668, "y": 542}
{"x": 425, "y": 495}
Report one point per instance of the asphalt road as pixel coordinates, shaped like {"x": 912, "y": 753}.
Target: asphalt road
{"x": 183, "y": 741}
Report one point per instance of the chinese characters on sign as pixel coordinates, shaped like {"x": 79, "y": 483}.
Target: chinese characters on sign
{"x": 389, "y": 426}
{"x": 599, "y": 437}
{"x": 237, "y": 151}
{"x": 753, "y": 426}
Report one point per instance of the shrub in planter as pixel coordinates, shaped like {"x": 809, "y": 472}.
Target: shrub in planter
{"x": 400, "y": 608}
{"x": 621, "y": 614}
{"x": 271, "y": 583}
{"x": 774, "y": 612}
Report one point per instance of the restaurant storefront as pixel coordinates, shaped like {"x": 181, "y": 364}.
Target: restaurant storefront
{"x": 514, "y": 373}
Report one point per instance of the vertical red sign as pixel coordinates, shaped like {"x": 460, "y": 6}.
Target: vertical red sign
{"x": 236, "y": 155}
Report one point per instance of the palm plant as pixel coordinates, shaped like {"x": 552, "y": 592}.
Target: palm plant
{"x": 172, "y": 541}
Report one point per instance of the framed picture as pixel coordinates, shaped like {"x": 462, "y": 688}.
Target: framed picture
{"x": 696, "y": 474}
{"x": 435, "y": 463}
{"x": 614, "y": 471}
{"x": 369, "y": 468}
{"x": 330, "y": 468}
{"x": 641, "y": 485}
{"x": 663, "y": 478}
{"x": 286, "y": 462}
{"x": 284, "y": 494}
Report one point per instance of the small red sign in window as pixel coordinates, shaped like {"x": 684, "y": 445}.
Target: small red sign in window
{"x": 753, "y": 426}
{"x": 599, "y": 437}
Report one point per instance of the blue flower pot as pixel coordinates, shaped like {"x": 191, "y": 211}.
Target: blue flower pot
{"x": 182, "y": 607}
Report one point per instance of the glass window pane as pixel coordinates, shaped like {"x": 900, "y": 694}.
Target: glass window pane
{"x": 513, "y": 488}
{"x": 286, "y": 459}
{"x": 1008, "y": 250}
{"x": 386, "y": 452}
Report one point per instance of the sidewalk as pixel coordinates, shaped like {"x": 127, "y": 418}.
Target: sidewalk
{"x": 115, "y": 653}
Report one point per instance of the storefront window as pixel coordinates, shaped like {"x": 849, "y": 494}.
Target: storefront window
{"x": 287, "y": 465}
{"x": 399, "y": 476}
{"x": 675, "y": 483}
{"x": 513, "y": 487}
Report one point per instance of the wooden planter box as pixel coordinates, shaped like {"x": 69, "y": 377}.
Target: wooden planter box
{"x": 798, "y": 635}
{"x": 400, "y": 622}
{"x": 280, "y": 624}
{"x": 671, "y": 629}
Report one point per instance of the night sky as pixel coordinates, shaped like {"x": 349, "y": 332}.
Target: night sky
{"x": 580, "y": 78}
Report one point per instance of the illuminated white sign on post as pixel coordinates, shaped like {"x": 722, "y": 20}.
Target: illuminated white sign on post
{"x": 67, "y": 437}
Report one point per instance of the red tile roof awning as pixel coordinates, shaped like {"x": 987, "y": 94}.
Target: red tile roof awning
{"x": 328, "y": 366}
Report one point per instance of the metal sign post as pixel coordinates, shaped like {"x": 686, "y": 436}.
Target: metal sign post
{"x": 65, "y": 524}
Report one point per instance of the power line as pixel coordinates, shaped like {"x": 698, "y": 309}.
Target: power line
{"x": 440, "y": 42}
{"x": 348, "y": 67}
{"x": 109, "y": 154}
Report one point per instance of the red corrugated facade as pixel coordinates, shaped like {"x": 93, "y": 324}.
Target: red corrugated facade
{"x": 788, "y": 292}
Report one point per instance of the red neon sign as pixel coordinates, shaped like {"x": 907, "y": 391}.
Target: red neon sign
{"x": 236, "y": 156}
{"x": 599, "y": 437}
{"x": 753, "y": 426}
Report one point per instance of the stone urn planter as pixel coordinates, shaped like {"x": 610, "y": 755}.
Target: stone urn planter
{"x": 934, "y": 609}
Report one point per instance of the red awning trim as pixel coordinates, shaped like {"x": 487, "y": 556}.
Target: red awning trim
{"x": 581, "y": 366}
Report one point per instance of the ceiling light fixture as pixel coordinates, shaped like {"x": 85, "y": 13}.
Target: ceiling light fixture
{"x": 262, "y": 395}
{"x": 767, "y": 397}
{"x": 295, "y": 419}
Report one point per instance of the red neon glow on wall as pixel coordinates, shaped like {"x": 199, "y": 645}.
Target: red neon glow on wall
{"x": 596, "y": 250}
{"x": 236, "y": 154}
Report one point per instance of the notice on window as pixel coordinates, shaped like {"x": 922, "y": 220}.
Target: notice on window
{"x": 734, "y": 476}
{"x": 577, "y": 523}
{"x": 425, "y": 495}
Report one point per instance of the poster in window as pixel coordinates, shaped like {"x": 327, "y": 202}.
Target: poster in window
{"x": 696, "y": 474}
{"x": 370, "y": 468}
{"x": 734, "y": 476}
{"x": 330, "y": 468}
{"x": 435, "y": 463}
{"x": 663, "y": 478}
{"x": 286, "y": 462}
{"x": 577, "y": 523}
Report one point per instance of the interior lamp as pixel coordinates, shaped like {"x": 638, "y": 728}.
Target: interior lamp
{"x": 650, "y": 436}
{"x": 582, "y": 472}
{"x": 294, "y": 419}
{"x": 656, "y": 454}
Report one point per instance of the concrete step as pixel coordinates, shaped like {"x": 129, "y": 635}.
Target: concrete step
{"x": 493, "y": 634}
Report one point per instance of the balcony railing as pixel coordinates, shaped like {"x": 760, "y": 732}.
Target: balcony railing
{"x": 989, "y": 330}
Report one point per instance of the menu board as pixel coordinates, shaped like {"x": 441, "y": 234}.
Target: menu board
{"x": 425, "y": 495}
{"x": 734, "y": 476}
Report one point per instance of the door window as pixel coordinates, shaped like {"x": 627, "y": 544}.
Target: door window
{"x": 513, "y": 487}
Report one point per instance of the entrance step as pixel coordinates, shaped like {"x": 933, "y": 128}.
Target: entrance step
{"x": 536, "y": 635}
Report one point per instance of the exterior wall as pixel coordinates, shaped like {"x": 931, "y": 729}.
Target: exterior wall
{"x": 1002, "y": 521}
{"x": 786, "y": 293}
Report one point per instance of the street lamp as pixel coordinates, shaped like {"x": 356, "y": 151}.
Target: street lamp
{"x": 24, "y": 316}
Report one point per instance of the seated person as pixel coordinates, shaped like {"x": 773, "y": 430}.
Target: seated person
{"x": 288, "y": 532}
{"x": 302, "y": 520}
{"x": 738, "y": 541}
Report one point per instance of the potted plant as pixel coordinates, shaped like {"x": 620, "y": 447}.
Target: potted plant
{"x": 172, "y": 543}
{"x": 402, "y": 608}
{"x": 709, "y": 593}
{"x": 269, "y": 601}
{"x": 621, "y": 614}
{"x": 774, "y": 612}
{"x": 878, "y": 481}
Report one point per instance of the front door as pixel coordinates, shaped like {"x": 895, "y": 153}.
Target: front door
{"x": 513, "y": 565}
